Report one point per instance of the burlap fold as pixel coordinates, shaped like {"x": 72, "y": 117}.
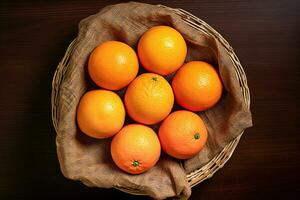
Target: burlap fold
{"x": 87, "y": 159}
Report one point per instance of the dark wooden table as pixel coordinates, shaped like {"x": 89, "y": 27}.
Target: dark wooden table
{"x": 265, "y": 35}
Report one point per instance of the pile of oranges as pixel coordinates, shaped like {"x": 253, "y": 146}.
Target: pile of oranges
{"x": 148, "y": 100}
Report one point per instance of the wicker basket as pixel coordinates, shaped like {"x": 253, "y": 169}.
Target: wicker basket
{"x": 220, "y": 159}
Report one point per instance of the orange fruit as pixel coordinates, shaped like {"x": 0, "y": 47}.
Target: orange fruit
{"x": 135, "y": 149}
{"x": 100, "y": 113}
{"x": 149, "y": 98}
{"x": 113, "y": 65}
{"x": 162, "y": 50}
{"x": 197, "y": 86}
{"x": 182, "y": 134}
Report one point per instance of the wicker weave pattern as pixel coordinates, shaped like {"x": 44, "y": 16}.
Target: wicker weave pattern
{"x": 219, "y": 160}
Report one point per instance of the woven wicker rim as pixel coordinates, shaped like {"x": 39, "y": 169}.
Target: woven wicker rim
{"x": 208, "y": 170}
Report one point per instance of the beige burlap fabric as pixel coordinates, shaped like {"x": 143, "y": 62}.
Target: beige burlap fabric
{"x": 88, "y": 160}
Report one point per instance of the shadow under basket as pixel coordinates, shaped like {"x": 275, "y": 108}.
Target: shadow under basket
{"x": 224, "y": 155}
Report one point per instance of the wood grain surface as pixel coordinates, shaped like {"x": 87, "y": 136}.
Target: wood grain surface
{"x": 265, "y": 35}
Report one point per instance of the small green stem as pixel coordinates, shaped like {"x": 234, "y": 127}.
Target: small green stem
{"x": 197, "y": 136}
{"x": 154, "y": 78}
{"x": 135, "y": 163}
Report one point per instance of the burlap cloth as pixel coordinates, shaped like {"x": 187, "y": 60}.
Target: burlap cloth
{"x": 88, "y": 160}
